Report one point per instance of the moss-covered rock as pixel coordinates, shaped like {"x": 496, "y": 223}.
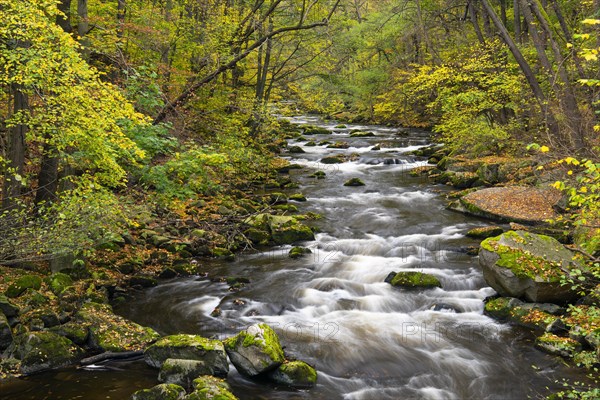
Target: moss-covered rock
{"x": 258, "y": 236}
{"x": 354, "y": 182}
{"x": 318, "y": 175}
{"x": 338, "y": 145}
{"x": 41, "y": 351}
{"x": 525, "y": 265}
{"x": 415, "y": 280}
{"x": 23, "y": 283}
{"x": 296, "y": 374}
{"x": 183, "y": 372}
{"x": 210, "y": 388}
{"x": 297, "y": 197}
{"x": 189, "y": 347}
{"x": 7, "y": 307}
{"x": 164, "y": 391}
{"x": 76, "y": 332}
{"x": 501, "y": 307}
{"x": 295, "y": 150}
{"x": 462, "y": 180}
{"x": 110, "y": 332}
{"x": 282, "y": 229}
{"x": 144, "y": 281}
{"x": 58, "y": 282}
{"x": 485, "y": 232}
{"x": 556, "y": 345}
{"x": 255, "y": 350}
{"x": 362, "y": 134}
{"x": 298, "y": 252}
{"x": 315, "y": 130}
{"x": 332, "y": 160}
{"x": 6, "y": 337}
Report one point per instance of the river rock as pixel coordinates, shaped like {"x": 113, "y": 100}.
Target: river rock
{"x": 296, "y": 374}
{"x": 318, "y": 175}
{"x": 255, "y": 350}
{"x": 415, "y": 280}
{"x": 332, "y": 160}
{"x": 315, "y": 130}
{"x": 164, "y": 391}
{"x": 6, "y": 337}
{"x": 556, "y": 345}
{"x": 526, "y": 265}
{"x": 298, "y": 252}
{"x": 41, "y": 351}
{"x": 7, "y": 307}
{"x": 354, "y": 182}
{"x": 21, "y": 284}
{"x": 209, "y": 388}
{"x": 445, "y": 307}
{"x": 521, "y": 204}
{"x": 295, "y": 150}
{"x": 183, "y": 372}
{"x": 282, "y": 229}
{"x": 58, "y": 282}
{"x": 485, "y": 232}
{"x": 189, "y": 347}
{"x": 110, "y": 332}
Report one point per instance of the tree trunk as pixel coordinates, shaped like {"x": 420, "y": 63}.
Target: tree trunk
{"x": 525, "y": 68}
{"x": 475, "y": 21}
{"x": 64, "y": 21}
{"x": 517, "y": 21}
{"x": 121, "y": 4}
{"x": 11, "y": 190}
{"x": 83, "y": 27}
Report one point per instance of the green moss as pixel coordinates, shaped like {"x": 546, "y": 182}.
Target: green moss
{"x": 318, "y": 175}
{"x": 164, "y": 391}
{"x": 264, "y": 338}
{"x": 485, "y": 232}
{"x": 562, "y": 346}
{"x": 499, "y": 307}
{"x": 295, "y": 374}
{"x": 410, "y": 279}
{"x": 297, "y": 197}
{"x": 58, "y": 282}
{"x": 332, "y": 160}
{"x": 354, "y": 182}
{"x": 297, "y": 252}
{"x": 22, "y": 284}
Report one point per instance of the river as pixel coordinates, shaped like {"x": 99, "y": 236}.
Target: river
{"x": 332, "y": 309}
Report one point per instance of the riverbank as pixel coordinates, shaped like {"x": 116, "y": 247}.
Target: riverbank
{"x": 368, "y": 231}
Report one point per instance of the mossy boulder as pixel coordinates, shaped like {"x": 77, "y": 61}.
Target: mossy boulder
{"x": 315, "y": 130}
{"x": 414, "y": 280}
{"x": 526, "y": 265}
{"x": 182, "y": 372}
{"x": 354, "y": 182}
{"x": 332, "y": 160}
{"x": 42, "y": 351}
{"x": 296, "y": 374}
{"x": 19, "y": 286}
{"x": 210, "y": 388}
{"x": 58, "y": 282}
{"x": 298, "y": 252}
{"x": 297, "y": 197}
{"x": 296, "y": 150}
{"x": 318, "y": 175}
{"x": 338, "y": 145}
{"x": 556, "y": 345}
{"x": 255, "y": 350}
{"x": 282, "y": 229}
{"x": 76, "y": 332}
{"x": 362, "y": 134}
{"x": 485, "y": 232}
{"x": 258, "y": 236}
{"x": 164, "y": 391}
{"x": 6, "y": 337}
{"x": 462, "y": 180}
{"x": 110, "y": 332}
{"x": 189, "y": 347}
{"x": 7, "y": 307}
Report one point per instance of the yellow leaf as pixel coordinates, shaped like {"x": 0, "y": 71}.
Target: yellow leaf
{"x": 590, "y": 21}
{"x": 544, "y": 149}
{"x": 583, "y": 189}
{"x": 570, "y": 173}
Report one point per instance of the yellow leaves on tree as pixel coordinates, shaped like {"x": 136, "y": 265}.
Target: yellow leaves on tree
{"x": 71, "y": 108}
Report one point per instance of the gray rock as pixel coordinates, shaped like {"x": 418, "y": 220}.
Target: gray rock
{"x": 41, "y": 351}
{"x": 296, "y": 374}
{"x": 183, "y": 372}
{"x": 6, "y": 337}
{"x": 255, "y": 350}
{"x": 526, "y": 265}
{"x": 7, "y": 307}
{"x": 164, "y": 391}
{"x": 189, "y": 347}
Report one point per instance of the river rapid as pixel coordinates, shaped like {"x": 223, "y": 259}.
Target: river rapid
{"x": 333, "y": 309}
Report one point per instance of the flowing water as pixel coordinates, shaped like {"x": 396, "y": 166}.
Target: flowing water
{"x": 332, "y": 309}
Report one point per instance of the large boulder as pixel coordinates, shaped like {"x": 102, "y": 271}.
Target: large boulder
{"x": 41, "y": 351}
{"x": 210, "y": 388}
{"x": 183, "y": 372}
{"x": 296, "y": 374}
{"x": 23, "y": 283}
{"x": 255, "y": 350}
{"x": 282, "y": 229}
{"x": 189, "y": 347}
{"x": 526, "y": 265}
{"x": 110, "y": 332}
{"x": 521, "y": 204}
{"x": 413, "y": 280}
{"x": 7, "y": 307}
{"x": 556, "y": 345}
{"x": 164, "y": 391}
